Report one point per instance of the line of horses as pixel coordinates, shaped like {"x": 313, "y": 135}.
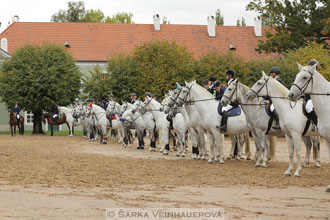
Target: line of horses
{"x": 195, "y": 117}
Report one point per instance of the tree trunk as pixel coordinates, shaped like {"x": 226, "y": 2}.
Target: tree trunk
{"x": 37, "y": 124}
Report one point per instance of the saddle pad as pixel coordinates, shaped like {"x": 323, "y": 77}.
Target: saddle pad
{"x": 232, "y": 113}
{"x": 122, "y": 119}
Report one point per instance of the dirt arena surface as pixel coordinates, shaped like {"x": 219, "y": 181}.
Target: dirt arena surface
{"x": 43, "y": 177}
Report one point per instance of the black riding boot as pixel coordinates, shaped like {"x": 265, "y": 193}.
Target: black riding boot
{"x": 169, "y": 118}
{"x": 313, "y": 116}
{"x": 224, "y": 119}
{"x": 277, "y": 120}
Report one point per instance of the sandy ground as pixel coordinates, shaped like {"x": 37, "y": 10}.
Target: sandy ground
{"x": 44, "y": 177}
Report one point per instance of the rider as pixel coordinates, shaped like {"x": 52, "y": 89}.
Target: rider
{"x": 105, "y": 104}
{"x": 206, "y": 84}
{"x": 275, "y": 73}
{"x": 211, "y": 82}
{"x": 219, "y": 90}
{"x": 230, "y": 75}
{"x": 156, "y": 97}
{"x": 311, "y": 114}
{"x": 56, "y": 112}
{"x": 112, "y": 97}
{"x": 16, "y": 110}
{"x": 133, "y": 98}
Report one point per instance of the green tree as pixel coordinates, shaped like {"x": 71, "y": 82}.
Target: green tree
{"x": 75, "y": 13}
{"x": 159, "y": 64}
{"x": 295, "y": 23}
{"x": 97, "y": 86}
{"x": 38, "y": 77}
{"x": 122, "y": 17}
{"x": 219, "y": 18}
{"x": 94, "y": 16}
{"x": 123, "y": 75}
{"x": 215, "y": 63}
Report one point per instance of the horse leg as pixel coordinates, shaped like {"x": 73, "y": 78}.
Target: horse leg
{"x": 297, "y": 146}
{"x": 316, "y": 152}
{"x": 232, "y": 149}
{"x": 291, "y": 154}
{"x": 241, "y": 151}
{"x": 11, "y": 130}
{"x": 14, "y": 130}
{"x": 308, "y": 144}
{"x": 211, "y": 143}
{"x": 218, "y": 144}
{"x": 265, "y": 143}
{"x": 51, "y": 130}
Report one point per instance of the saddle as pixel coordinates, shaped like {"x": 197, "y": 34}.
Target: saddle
{"x": 232, "y": 113}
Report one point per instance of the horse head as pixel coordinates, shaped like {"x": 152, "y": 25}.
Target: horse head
{"x": 260, "y": 88}
{"x": 230, "y": 93}
{"x": 302, "y": 84}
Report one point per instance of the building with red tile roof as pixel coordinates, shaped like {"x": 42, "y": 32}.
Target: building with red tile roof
{"x": 96, "y": 41}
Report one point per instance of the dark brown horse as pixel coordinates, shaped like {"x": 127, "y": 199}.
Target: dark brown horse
{"x": 52, "y": 121}
{"x": 13, "y": 123}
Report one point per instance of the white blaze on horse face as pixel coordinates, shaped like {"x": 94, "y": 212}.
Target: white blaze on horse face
{"x": 227, "y": 96}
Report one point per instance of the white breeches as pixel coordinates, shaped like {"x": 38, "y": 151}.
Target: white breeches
{"x": 17, "y": 116}
{"x": 227, "y": 108}
{"x": 309, "y": 106}
{"x": 272, "y": 108}
{"x": 54, "y": 116}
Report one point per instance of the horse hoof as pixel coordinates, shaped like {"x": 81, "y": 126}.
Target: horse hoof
{"x": 203, "y": 158}
{"x": 318, "y": 165}
{"x": 248, "y": 158}
{"x": 257, "y": 165}
{"x": 263, "y": 166}
{"x": 221, "y": 162}
{"x": 183, "y": 155}
{"x": 210, "y": 161}
{"x": 328, "y": 189}
{"x": 287, "y": 174}
{"x": 297, "y": 175}
{"x": 177, "y": 155}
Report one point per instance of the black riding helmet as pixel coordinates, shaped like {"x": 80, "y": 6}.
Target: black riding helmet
{"x": 231, "y": 73}
{"x": 212, "y": 79}
{"x": 275, "y": 70}
{"x": 312, "y": 63}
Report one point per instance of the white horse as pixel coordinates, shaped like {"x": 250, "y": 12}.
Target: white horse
{"x": 207, "y": 106}
{"x": 310, "y": 81}
{"x": 194, "y": 123}
{"x": 113, "y": 110}
{"x": 89, "y": 124}
{"x": 102, "y": 122}
{"x": 148, "y": 123}
{"x": 70, "y": 119}
{"x": 257, "y": 119}
{"x": 292, "y": 118}
{"x": 180, "y": 126}
{"x": 162, "y": 123}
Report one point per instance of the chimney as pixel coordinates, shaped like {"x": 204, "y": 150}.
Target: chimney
{"x": 257, "y": 27}
{"x": 157, "y": 22}
{"x": 15, "y": 18}
{"x": 211, "y": 26}
{"x": 4, "y": 44}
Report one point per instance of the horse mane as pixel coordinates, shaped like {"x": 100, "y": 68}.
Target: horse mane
{"x": 281, "y": 88}
{"x": 203, "y": 91}
{"x": 65, "y": 110}
{"x": 96, "y": 107}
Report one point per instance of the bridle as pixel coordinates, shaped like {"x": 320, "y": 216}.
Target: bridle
{"x": 184, "y": 99}
{"x": 174, "y": 99}
{"x": 232, "y": 94}
{"x": 257, "y": 92}
{"x": 304, "y": 87}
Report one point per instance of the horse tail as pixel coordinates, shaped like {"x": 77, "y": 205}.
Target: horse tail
{"x": 272, "y": 140}
{"x": 247, "y": 144}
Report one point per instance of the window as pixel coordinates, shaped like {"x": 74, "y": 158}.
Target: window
{"x": 28, "y": 118}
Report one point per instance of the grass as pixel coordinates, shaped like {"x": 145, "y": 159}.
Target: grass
{"x": 56, "y": 133}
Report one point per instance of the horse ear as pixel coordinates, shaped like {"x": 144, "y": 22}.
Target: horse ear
{"x": 264, "y": 75}
{"x": 314, "y": 68}
{"x": 237, "y": 80}
{"x": 299, "y": 66}
{"x": 133, "y": 111}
